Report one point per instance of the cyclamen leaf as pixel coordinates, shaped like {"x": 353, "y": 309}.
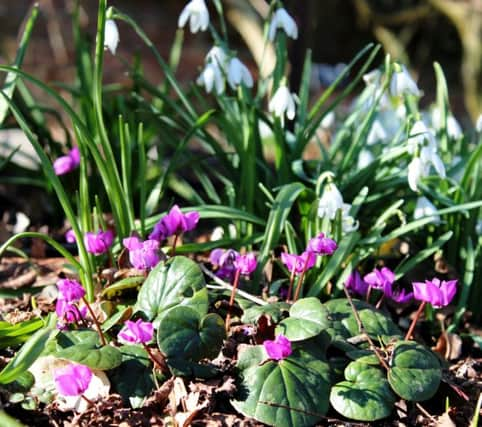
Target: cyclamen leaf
{"x": 103, "y": 358}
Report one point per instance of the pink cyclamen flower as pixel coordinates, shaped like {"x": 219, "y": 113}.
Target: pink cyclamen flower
{"x": 70, "y": 290}
{"x": 356, "y": 284}
{"x": 98, "y": 243}
{"x": 224, "y": 259}
{"x": 69, "y": 312}
{"x": 436, "y": 292}
{"x": 298, "y": 263}
{"x": 174, "y": 223}
{"x": 380, "y": 279}
{"x": 246, "y": 264}
{"x": 322, "y": 245}
{"x": 73, "y": 380}
{"x": 137, "y": 332}
{"x": 66, "y": 164}
{"x": 70, "y": 236}
{"x": 399, "y": 296}
{"x": 143, "y": 255}
{"x": 278, "y": 349}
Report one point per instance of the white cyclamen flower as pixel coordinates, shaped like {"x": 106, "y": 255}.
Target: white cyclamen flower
{"x": 377, "y": 133}
{"x": 211, "y": 77}
{"x": 238, "y": 73}
{"x": 198, "y": 15}
{"x": 111, "y": 36}
{"x": 283, "y": 102}
{"x": 425, "y": 207}
{"x": 403, "y": 84}
{"x": 330, "y": 201}
{"x": 281, "y": 19}
{"x": 478, "y": 124}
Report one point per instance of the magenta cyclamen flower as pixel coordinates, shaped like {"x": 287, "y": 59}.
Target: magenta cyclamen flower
{"x": 98, "y": 243}
{"x": 399, "y": 296}
{"x": 246, "y": 264}
{"x": 137, "y": 332}
{"x": 436, "y": 292}
{"x": 224, "y": 259}
{"x": 356, "y": 284}
{"x": 322, "y": 245}
{"x": 72, "y": 380}
{"x": 69, "y": 312}
{"x": 68, "y": 163}
{"x": 143, "y": 255}
{"x": 298, "y": 263}
{"x": 70, "y": 290}
{"x": 278, "y": 349}
{"x": 380, "y": 279}
{"x": 174, "y": 223}
{"x": 70, "y": 236}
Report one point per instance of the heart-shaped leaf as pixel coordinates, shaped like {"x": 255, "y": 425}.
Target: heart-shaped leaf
{"x": 308, "y": 317}
{"x": 102, "y": 358}
{"x": 133, "y": 377}
{"x": 184, "y": 334}
{"x": 288, "y": 393}
{"x": 80, "y": 336}
{"x": 344, "y": 324}
{"x": 170, "y": 284}
{"x": 414, "y": 372}
{"x": 276, "y": 311}
{"x": 365, "y": 395}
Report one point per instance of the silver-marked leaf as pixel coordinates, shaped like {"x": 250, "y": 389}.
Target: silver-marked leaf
{"x": 102, "y": 358}
{"x": 275, "y": 311}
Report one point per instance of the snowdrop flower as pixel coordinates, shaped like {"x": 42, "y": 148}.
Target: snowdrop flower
{"x": 330, "y": 201}
{"x": 377, "y": 133}
{"x": 281, "y": 19}
{"x": 453, "y": 128}
{"x": 365, "y": 158}
{"x": 373, "y": 77}
{"x": 217, "y": 56}
{"x": 402, "y": 83}
{"x": 238, "y": 73}
{"x": 478, "y": 124}
{"x": 425, "y": 207}
{"x": 211, "y": 77}
{"x": 283, "y": 102}
{"x": 419, "y": 135}
{"x": 478, "y": 227}
{"x": 198, "y": 15}
{"x": 328, "y": 121}
{"x": 348, "y": 223}
{"x": 417, "y": 170}
{"x": 111, "y": 36}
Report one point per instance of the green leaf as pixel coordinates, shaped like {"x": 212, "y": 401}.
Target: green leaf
{"x": 308, "y": 317}
{"x": 365, "y": 395}
{"x": 132, "y": 379}
{"x": 415, "y": 372}
{"x": 184, "y": 334}
{"x": 288, "y": 393}
{"x": 169, "y": 284}
{"x": 80, "y": 336}
{"x": 184, "y": 368}
{"x": 103, "y": 358}
{"x": 344, "y": 324}
{"x": 276, "y": 311}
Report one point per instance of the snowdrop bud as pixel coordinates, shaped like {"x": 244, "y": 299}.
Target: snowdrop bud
{"x": 453, "y": 128}
{"x": 417, "y": 169}
{"x": 198, "y": 15}
{"x": 373, "y": 77}
{"x": 365, "y": 158}
{"x": 478, "y": 124}
{"x": 330, "y": 201}
{"x": 283, "y": 102}
{"x": 281, "y": 19}
{"x": 328, "y": 121}
{"x": 425, "y": 207}
{"x": 403, "y": 84}
{"x": 111, "y": 36}
{"x": 377, "y": 133}
{"x": 211, "y": 77}
{"x": 238, "y": 73}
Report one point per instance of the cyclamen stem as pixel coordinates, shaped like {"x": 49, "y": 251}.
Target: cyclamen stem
{"x": 90, "y": 402}
{"x": 292, "y": 279}
{"x": 380, "y": 301}
{"x": 369, "y": 292}
{"x": 159, "y": 363}
{"x": 300, "y": 280}
{"x": 414, "y": 321}
{"x": 174, "y": 244}
{"x": 231, "y": 299}
{"x": 96, "y": 322}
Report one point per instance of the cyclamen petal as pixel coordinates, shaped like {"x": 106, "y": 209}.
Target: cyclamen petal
{"x": 98, "y": 243}
{"x": 278, "y": 349}
{"x": 68, "y": 163}
{"x": 246, "y": 264}
{"x": 322, "y": 245}
{"x": 436, "y": 292}
{"x": 73, "y": 380}
{"x": 70, "y": 290}
{"x": 138, "y": 332}
{"x": 174, "y": 223}
{"x": 356, "y": 283}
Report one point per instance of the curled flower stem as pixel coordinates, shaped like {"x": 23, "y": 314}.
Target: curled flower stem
{"x": 231, "y": 299}
{"x": 380, "y": 301}
{"x": 174, "y": 243}
{"x": 290, "y": 288}
{"x": 96, "y": 322}
{"x": 300, "y": 280}
{"x": 159, "y": 363}
{"x": 414, "y": 321}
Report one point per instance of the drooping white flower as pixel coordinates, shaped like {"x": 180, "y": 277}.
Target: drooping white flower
{"x": 478, "y": 124}
{"x": 428, "y": 154}
{"x": 238, "y": 73}
{"x": 330, "y": 201}
{"x": 328, "y": 121}
{"x": 419, "y": 135}
{"x": 402, "y": 83}
{"x": 281, "y": 19}
{"x": 283, "y": 102}
{"x": 211, "y": 77}
{"x": 377, "y": 133}
{"x": 373, "y": 77}
{"x": 348, "y": 223}
{"x": 417, "y": 170}
{"x": 365, "y": 158}
{"x": 217, "y": 56}
{"x": 111, "y": 36}
{"x": 198, "y": 15}
{"x": 478, "y": 227}
{"x": 453, "y": 127}
{"x": 424, "y": 207}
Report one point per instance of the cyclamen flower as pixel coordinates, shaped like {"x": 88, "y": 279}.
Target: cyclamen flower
{"x": 142, "y": 255}
{"x": 73, "y": 380}
{"x": 224, "y": 259}
{"x": 70, "y": 290}
{"x": 380, "y": 279}
{"x": 111, "y": 36}
{"x": 98, "y": 243}
{"x": 174, "y": 223}
{"x": 322, "y": 245}
{"x": 399, "y": 296}
{"x": 68, "y": 163}
{"x": 356, "y": 284}
{"x": 283, "y": 102}
{"x": 70, "y": 236}
{"x": 198, "y": 15}
{"x": 69, "y": 312}
{"x": 238, "y": 74}
{"x": 282, "y": 20}
{"x": 246, "y": 264}
{"x": 137, "y": 332}
{"x": 403, "y": 84}
{"x": 278, "y": 349}
{"x": 436, "y": 292}
{"x": 298, "y": 263}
